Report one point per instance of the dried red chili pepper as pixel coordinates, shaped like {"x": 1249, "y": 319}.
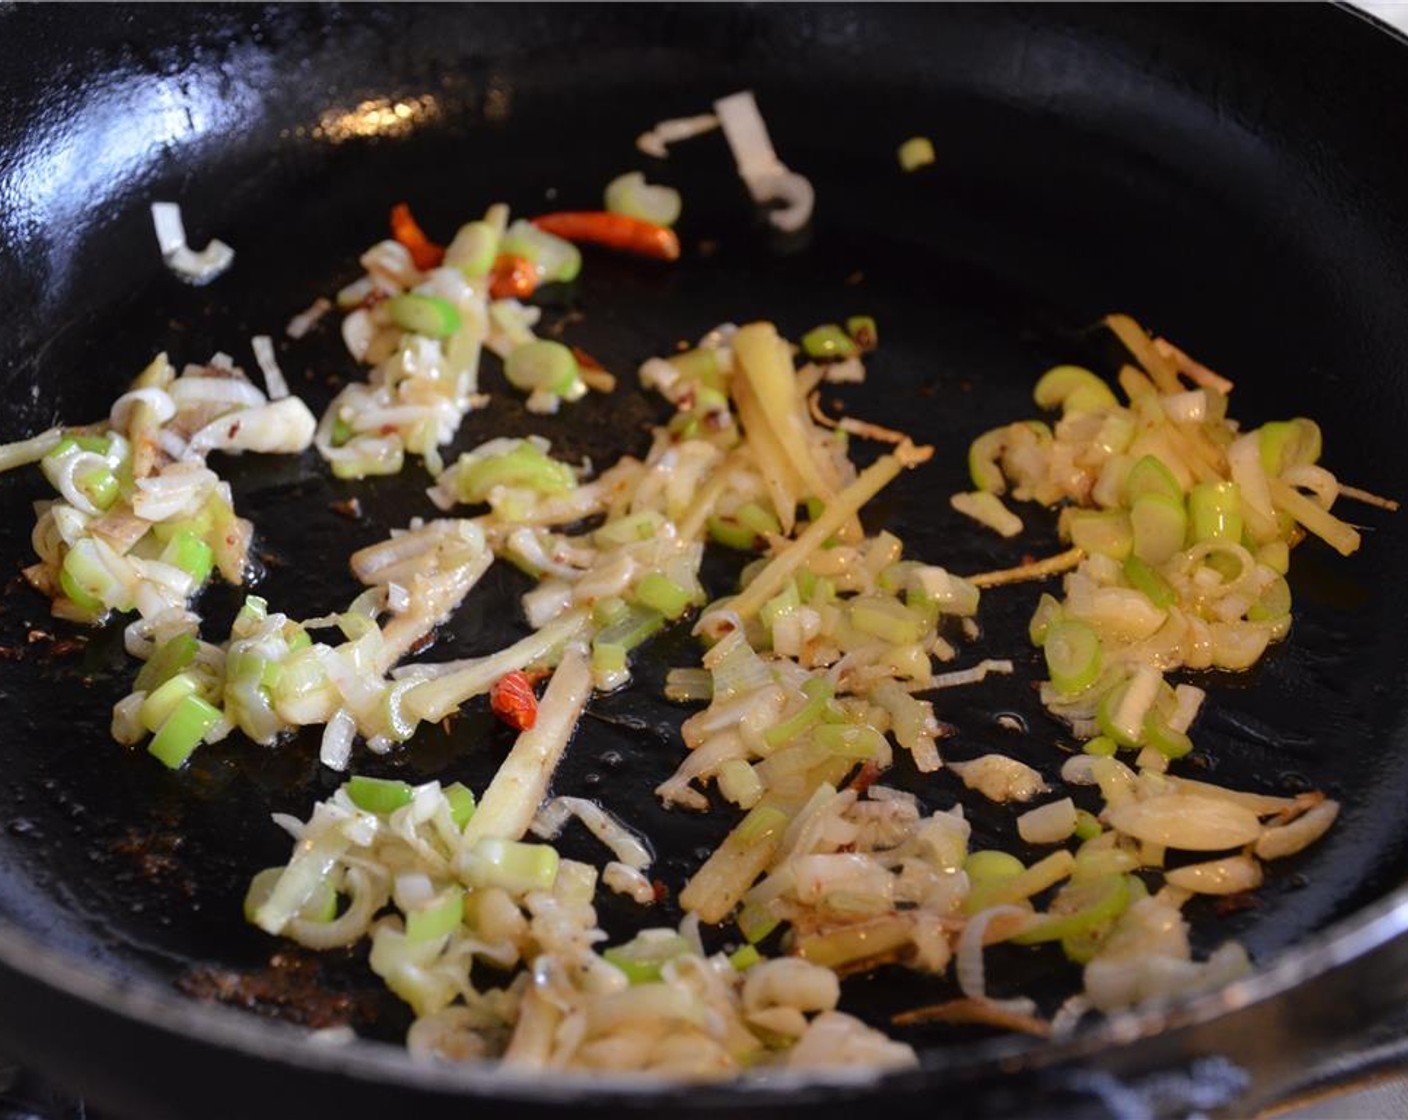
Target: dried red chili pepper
{"x": 615, "y": 231}
{"x": 513, "y": 701}
{"x": 512, "y": 277}
{"x": 425, "y": 254}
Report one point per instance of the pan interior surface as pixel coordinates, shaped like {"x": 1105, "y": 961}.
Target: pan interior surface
{"x": 1172, "y": 164}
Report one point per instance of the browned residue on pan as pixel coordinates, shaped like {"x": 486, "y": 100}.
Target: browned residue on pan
{"x": 292, "y": 988}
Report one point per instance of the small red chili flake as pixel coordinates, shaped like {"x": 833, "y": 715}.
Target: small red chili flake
{"x": 424, "y": 253}
{"x": 351, "y": 508}
{"x": 513, "y": 701}
{"x": 512, "y": 277}
{"x": 585, "y": 360}
{"x": 865, "y": 776}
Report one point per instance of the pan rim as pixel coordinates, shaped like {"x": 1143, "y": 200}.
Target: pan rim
{"x": 145, "y": 1002}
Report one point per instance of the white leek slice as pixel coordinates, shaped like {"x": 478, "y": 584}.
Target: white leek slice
{"x": 188, "y": 264}
{"x": 766, "y": 176}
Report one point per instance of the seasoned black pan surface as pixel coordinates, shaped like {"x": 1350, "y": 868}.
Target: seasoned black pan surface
{"x": 1233, "y": 177}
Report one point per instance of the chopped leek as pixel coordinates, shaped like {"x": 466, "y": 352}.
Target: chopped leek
{"x": 191, "y": 554}
{"x": 1159, "y": 524}
{"x": 986, "y": 508}
{"x": 916, "y": 152}
{"x": 745, "y": 957}
{"x": 780, "y": 606}
{"x": 631, "y": 195}
{"x": 762, "y": 822}
{"x": 991, "y": 865}
{"x": 1150, "y": 476}
{"x": 1273, "y": 603}
{"x": 660, "y": 593}
{"x": 630, "y": 528}
{"x": 101, "y": 486}
{"x": 739, "y": 783}
{"x": 863, "y": 331}
{"x": 183, "y": 731}
{"x": 701, "y": 365}
{"x": 1081, "y": 946}
{"x": 608, "y": 658}
{"x": 320, "y": 907}
{"x": 473, "y": 250}
{"x": 98, "y": 445}
{"x": 1289, "y": 443}
{"x": 1106, "y": 532}
{"x": 1048, "y": 611}
{"x": 858, "y": 741}
{"x": 556, "y": 259}
{"x": 1166, "y": 740}
{"x": 605, "y": 612}
{"x": 1083, "y": 907}
{"x": 440, "y": 916}
{"x": 1108, "y": 718}
{"x": 1276, "y": 555}
{"x": 86, "y": 580}
{"x": 829, "y": 341}
{"x": 1073, "y": 389}
{"x": 1215, "y": 512}
{"x": 1148, "y": 582}
{"x": 428, "y": 315}
{"x": 461, "y": 801}
{"x": 542, "y": 364}
{"x": 1036, "y": 878}
{"x": 513, "y": 865}
{"x": 1073, "y": 658}
{"x": 378, "y": 795}
{"x": 162, "y": 701}
{"x": 635, "y": 625}
{"x": 718, "y": 885}
{"x": 886, "y": 619}
{"x": 198, "y": 526}
{"x": 687, "y": 685}
{"x": 757, "y": 518}
{"x": 732, "y": 534}
{"x": 643, "y": 956}
{"x": 756, "y": 922}
{"x": 819, "y": 693}
{"x": 169, "y": 658}
{"x": 526, "y": 466}
{"x": 983, "y": 455}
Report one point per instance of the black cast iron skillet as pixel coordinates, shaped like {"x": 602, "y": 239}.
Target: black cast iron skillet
{"x": 1234, "y": 176}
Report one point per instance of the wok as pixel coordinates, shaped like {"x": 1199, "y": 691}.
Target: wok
{"x": 1234, "y": 176}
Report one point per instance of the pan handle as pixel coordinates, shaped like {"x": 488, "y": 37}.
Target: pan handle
{"x": 1383, "y": 1054}
{"x": 24, "y": 1095}
{"x": 1202, "y": 1086}
{"x": 1219, "y": 1086}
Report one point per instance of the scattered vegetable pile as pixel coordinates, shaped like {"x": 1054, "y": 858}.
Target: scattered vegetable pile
{"x": 826, "y": 659}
